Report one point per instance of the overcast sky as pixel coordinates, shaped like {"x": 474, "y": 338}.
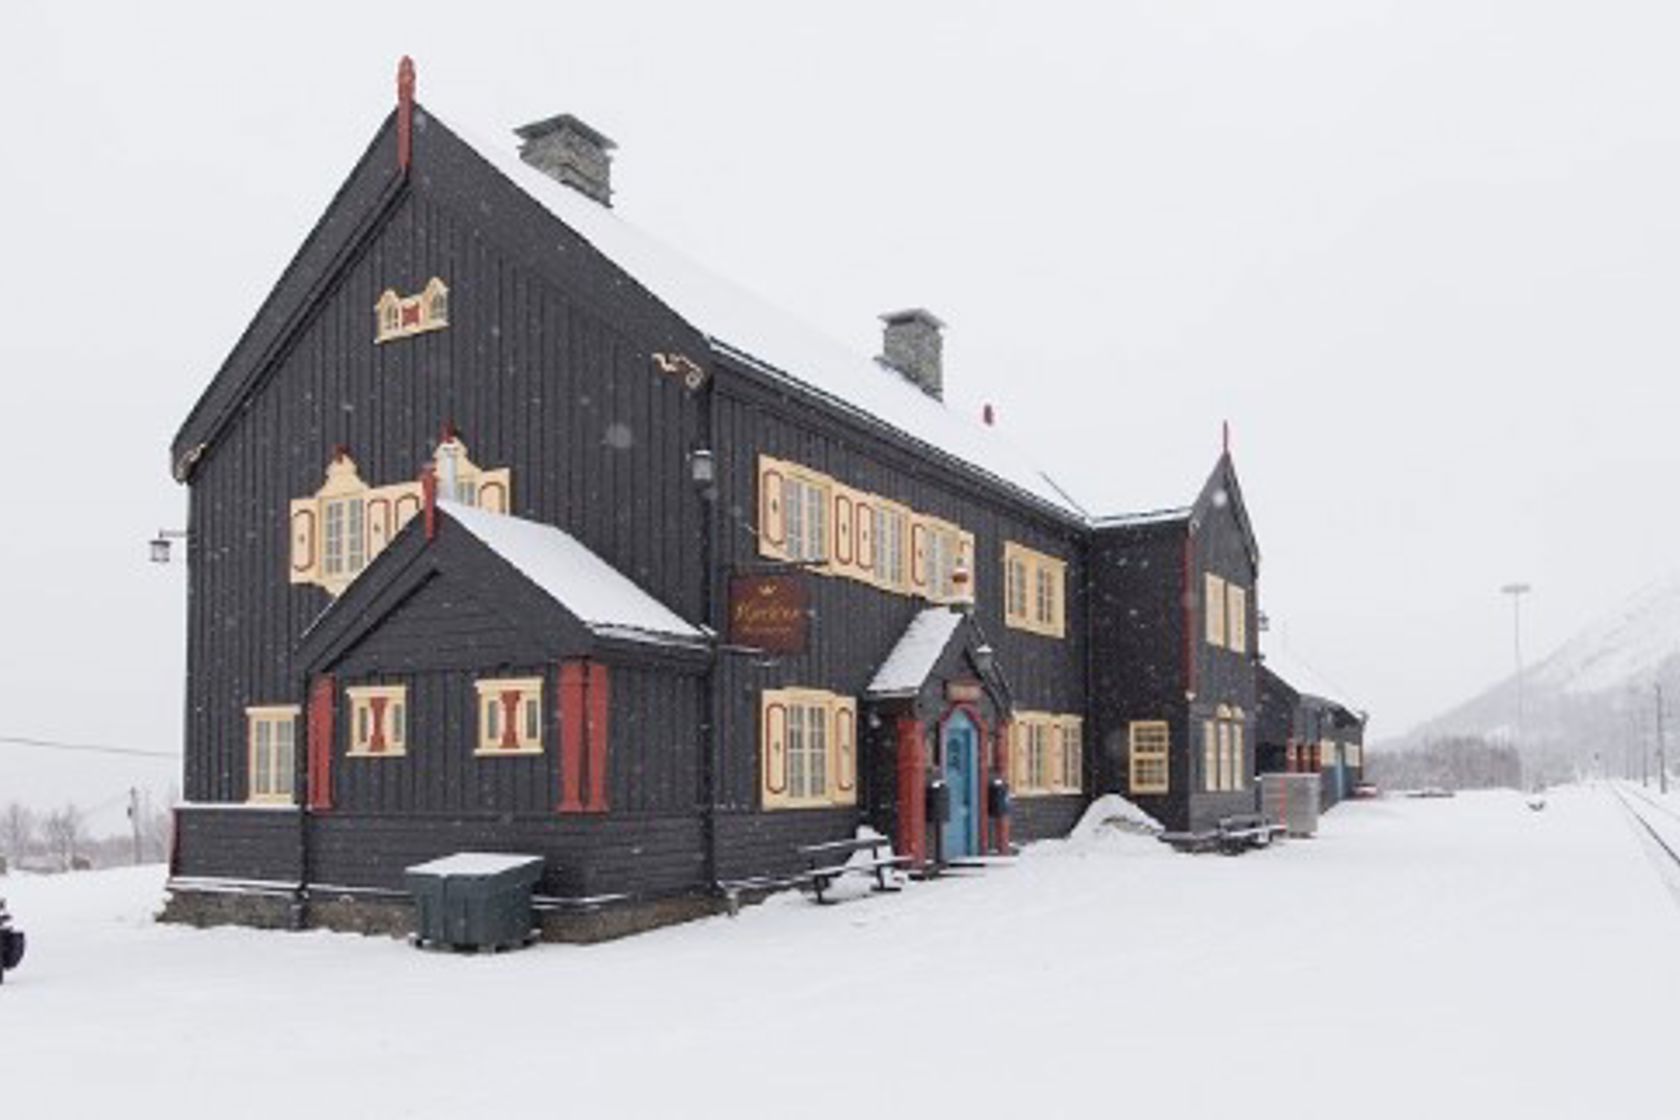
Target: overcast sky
{"x": 1421, "y": 255}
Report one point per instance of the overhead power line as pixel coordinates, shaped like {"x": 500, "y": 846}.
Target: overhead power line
{"x": 85, "y": 748}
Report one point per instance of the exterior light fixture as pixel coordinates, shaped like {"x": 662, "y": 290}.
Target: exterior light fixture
{"x": 159, "y": 545}
{"x": 962, "y": 587}
{"x": 702, "y": 468}
{"x": 985, "y": 658}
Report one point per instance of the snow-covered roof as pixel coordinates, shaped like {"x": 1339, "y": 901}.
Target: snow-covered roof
{"x": 475, "y": 863}
{"x": 749, "y": 328}
{"x": 916, "y": 653}
{"x": 1151, "y": 517}
{"x": 602, "y": 597}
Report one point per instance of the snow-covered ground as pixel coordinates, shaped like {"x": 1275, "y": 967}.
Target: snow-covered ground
{"x": 1453, "y": 958}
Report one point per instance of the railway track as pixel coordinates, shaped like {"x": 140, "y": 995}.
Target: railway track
{"x": 1644, "y": 822}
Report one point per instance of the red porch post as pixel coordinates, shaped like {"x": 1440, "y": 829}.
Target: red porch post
{"x": 1002, "y": 762}
{"x": 912, "y": 808}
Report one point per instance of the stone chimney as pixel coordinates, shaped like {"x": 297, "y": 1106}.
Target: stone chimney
{"x": 911, "y": 344}
{"x": 567, "y": 150}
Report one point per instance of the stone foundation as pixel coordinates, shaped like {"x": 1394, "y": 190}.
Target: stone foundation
{"x": 392, "y": 915}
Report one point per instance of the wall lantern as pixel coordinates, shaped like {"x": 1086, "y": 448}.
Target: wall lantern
{"x": 160, "y": 544}
{"x": 702, "y": 468}
{"x": 962, "y": 587}
{"x": 985, "y": 658}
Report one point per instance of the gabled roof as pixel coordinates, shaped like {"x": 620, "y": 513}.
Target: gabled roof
{"x": 749, "y": 328}
{"x": 538, "y": 580}
{"x": 1152, "y": 517}
{"x": 1223, "y": 492}
{"x": 918, "y": 650}
{"x": 596, "y": 593}
{"x": 738, "y": 324}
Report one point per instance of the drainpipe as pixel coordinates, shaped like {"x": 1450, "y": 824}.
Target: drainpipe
{"x": 709, "y": 598}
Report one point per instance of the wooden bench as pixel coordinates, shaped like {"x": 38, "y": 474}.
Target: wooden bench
{"x": 1247, "y": 830}
{"x": 830, "y": 860}
{"x": 1232, "y": 835}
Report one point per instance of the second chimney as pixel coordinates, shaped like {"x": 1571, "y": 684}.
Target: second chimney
{"x": 911, "y": 344}
{"x": 566, "y": 149}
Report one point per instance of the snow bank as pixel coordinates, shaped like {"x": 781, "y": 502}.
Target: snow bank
{"x": 1109, "y": 814}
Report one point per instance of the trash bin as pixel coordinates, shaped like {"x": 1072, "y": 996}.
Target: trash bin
{"x": 474, "y": 900}
{"x": 938, "y": 802}
{"x": 997, "y": 798}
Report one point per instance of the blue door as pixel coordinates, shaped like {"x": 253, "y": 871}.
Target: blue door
{"x": 961, "y": 740}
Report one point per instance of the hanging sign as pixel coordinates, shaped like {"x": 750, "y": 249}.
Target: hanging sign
{"x": 769, "y": 612}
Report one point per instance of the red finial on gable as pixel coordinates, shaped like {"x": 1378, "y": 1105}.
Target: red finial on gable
{"x": 341, "y": 452}
{"x": 405, "y": 113}
{"x": 449, "y": 431}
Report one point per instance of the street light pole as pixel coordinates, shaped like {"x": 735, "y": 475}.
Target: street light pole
{"x": 1516, "y": 591}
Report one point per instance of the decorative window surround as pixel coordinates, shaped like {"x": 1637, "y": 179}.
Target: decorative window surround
{"x": 1046, "y": 753}
{"x": 1150, "y": 742}
{"x": 402, "y": 316}
{"x": 337, "y": 531}
{"x": 807, "y": 517}
{"x": 378, "y": 720}
{"x": 1035, "y": 597}
{"x": 807, "y": 749}
{"x": 510, "y": 719}
{"x": 271, "y": 753}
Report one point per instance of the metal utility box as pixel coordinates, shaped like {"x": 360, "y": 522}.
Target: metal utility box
{"x": 1292, "y": 801}
{"x": 474, "y": 900}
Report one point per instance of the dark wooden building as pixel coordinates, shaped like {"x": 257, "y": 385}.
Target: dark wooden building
{"x": 1303, "y": 733}
{"x": 1173, "y": 664}
{"x": 512, "y": 529}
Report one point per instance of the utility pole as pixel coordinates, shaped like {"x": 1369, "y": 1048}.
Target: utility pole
{"x": 1662, "y": 756}
{"x": 134, "y": 820}
{"x": 1516, "y": 591}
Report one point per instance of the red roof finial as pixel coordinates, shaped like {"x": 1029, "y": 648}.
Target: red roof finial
{"x": 405, "y": 112}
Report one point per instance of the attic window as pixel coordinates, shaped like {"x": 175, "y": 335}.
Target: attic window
{"x": 401, "y": 316}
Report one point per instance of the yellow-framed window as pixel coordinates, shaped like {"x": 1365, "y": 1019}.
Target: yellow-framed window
{"x": 510, "y": 716}
{"x": 1236, "y": 604}
{"x": 1015, "y": 569}
{"x": 807, "y": 749}
{"x": 1070, "y": 779}
{"x": 378, "y": 720}
{"x": 271, "y": 753}
{"x": 1150, "y": 741}
{"x": 805, "y": 507}
{"x": 892, "y": 545}
{"x": 1213, "y": 608}
{"x": 1210, "y": 756}
{"x": 1035, "y": 591}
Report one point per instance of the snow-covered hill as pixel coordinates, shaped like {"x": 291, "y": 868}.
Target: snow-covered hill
{"x": 1592, "y": 695}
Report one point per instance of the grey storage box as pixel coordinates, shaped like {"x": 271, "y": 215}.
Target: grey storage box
{"x": 474, "y": 900}
{"x": 1292, "y": 801}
